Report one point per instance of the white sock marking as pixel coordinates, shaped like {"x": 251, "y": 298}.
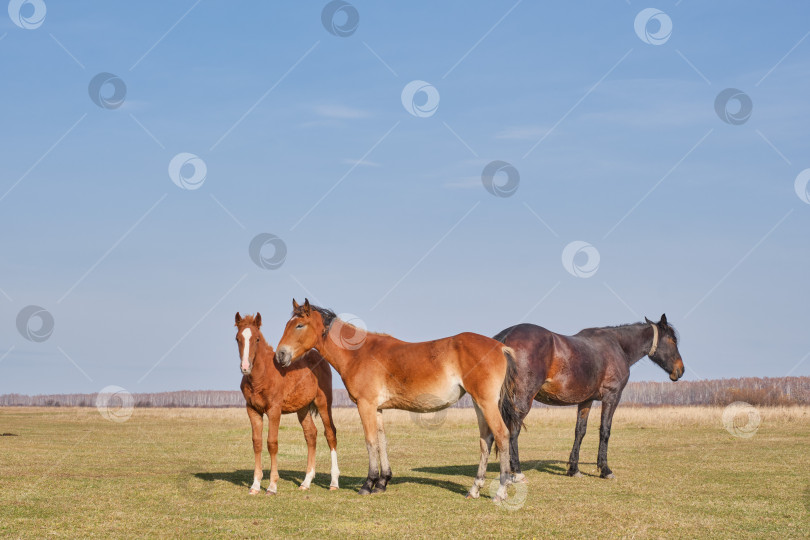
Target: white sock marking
{"x": 335, "y": 470}
{"x": 257, "y": 485}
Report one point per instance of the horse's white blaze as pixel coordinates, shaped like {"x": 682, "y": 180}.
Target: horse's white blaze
{"x": 335, "y": 470}
{"x": 246, "y": 335}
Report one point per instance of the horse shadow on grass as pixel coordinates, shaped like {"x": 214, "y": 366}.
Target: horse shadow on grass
{"x": 244, "y": 478}
{"x": 548, "y": 466}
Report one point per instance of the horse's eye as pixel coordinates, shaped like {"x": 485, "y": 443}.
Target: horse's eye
{"x": 299, "y": 327}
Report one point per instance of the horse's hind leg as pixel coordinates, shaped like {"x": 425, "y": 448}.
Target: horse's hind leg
{"x": 492, "y": 414}
{"x": 583, "y": 410}
{"x": 485, "y": 442}
{"x": 324, "y": 404}
{"x": 311, "y": 436}
{"x": 385, "y": 467}
{"x": 514, "y": 456}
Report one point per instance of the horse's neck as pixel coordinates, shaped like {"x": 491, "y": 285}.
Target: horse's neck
{"x": 262, "y": 365}
{"x": 635, "y": 340}
{"x": 337, "y": 356}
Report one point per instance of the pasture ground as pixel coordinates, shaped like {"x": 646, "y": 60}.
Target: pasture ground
{"x": 69, "y": 472}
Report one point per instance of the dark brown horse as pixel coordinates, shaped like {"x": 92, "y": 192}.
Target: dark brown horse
{"x": 271, "y": 390}
{"x": 382, "y": 372}
{"x": 576, "y": 370}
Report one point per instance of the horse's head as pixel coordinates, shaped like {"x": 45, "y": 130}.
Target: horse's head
{"x": 304, "y": 331}
{"x": 664, "y": 351}
{"x": 248, "y": 337}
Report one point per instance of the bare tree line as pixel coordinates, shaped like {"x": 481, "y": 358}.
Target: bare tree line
{"x": 753, "y": 390}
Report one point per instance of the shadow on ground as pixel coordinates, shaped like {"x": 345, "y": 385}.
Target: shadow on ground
{"x": 244, "y": 478}
{"x": 551, "y": 466}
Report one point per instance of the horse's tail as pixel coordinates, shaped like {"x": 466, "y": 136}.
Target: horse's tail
{"x": 313, "y": 410}
{"x": 509, "y": 413}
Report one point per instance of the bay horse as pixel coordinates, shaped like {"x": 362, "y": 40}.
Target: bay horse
{"x": 272, "y": 390}
{"x": 593, "y": 364}
{"x": 382, "y": 372}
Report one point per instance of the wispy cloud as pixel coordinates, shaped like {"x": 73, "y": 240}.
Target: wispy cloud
{"x": 341, "y": 112}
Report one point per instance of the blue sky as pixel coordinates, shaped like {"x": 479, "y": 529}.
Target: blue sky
{"x": 383, "y": 213}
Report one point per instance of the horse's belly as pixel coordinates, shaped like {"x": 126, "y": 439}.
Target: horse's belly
{"x": 553, "y": 392}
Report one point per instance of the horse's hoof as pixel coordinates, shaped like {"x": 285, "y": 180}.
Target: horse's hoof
{"x": 333, "y": 488}
{"x": 378, "y": 490}
{"x": 610, "y": 476}
{"x": 270, "y": 493}
{"x": 303, "y": 488}
{"x": 574, "y": 474}
{"x": 472, "y": 496}
{"x": 364, "y": 491}
{"x": 497, "y": 498}
{"x": 519, "y": 478}
{"x": 254, "y": 491}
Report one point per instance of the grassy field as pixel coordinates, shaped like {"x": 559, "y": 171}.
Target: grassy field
{"x": 185, "y": 473}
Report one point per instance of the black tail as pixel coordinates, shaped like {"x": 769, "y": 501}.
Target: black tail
{"x": 313, "y": 410}
{"x": 511, "y": 416}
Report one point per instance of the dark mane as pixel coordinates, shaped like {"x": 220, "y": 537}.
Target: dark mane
{"x": 668, "y": 330}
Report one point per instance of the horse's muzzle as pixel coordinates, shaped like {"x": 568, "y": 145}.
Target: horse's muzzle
{"x": 677, "y": 373}
{"x": 283, "y": 357}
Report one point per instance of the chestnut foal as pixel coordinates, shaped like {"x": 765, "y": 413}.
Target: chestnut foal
{"x": 382, "y": 372}
{"x": 305, "y": 389}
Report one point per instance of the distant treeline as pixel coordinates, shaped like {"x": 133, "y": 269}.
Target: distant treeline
{"x": 753, "y": 390}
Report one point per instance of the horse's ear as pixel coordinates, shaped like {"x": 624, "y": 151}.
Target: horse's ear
{"x": 258, "y": 320}
{"x": 307, "y": 307}
{"x": 238, "y": 318}
{"x": 295, "y": 305}
{"x": 663, "y": 321}
{"x": 648, "y": 321}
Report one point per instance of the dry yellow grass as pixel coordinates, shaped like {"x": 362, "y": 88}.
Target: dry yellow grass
{"x": 185, "y": 473}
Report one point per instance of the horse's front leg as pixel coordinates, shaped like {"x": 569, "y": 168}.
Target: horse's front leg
{"x": 583, "y": 410}
{"x": 385, "y": 467}
{"x": 368, "y": 416}
{"x": 274, "y": 417}
{"x": 256, "y": 425}
{"x": 608, "y": 408}
{"x": 310, "y": 434}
